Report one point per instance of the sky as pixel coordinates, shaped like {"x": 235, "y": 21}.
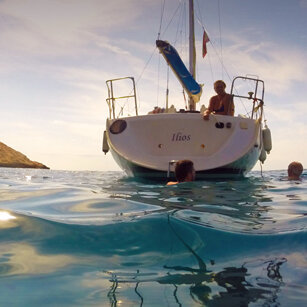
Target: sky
{"x": 57, "y": 54}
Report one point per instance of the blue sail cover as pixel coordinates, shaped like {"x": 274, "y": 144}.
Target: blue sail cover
{"x": 172, "y": 57}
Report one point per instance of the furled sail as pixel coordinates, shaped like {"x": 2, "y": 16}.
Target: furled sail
{"x": 193, "y": 89}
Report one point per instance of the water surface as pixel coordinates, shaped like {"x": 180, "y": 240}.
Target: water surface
{"x": 100, "y": 239}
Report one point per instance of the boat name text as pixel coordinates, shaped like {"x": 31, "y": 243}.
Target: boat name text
{"x": 179, "y": 137}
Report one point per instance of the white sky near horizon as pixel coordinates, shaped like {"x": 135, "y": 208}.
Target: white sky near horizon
{"x": 57, "y": 54}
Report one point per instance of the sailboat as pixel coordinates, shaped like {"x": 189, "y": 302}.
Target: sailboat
{"x": 148, "y": 146}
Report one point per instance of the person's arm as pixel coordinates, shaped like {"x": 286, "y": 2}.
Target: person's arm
{"x": 210, "y": 109}
{"x": 172, "y": 182}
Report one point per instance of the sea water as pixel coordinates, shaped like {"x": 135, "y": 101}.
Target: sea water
{"x": 101, "y": 239}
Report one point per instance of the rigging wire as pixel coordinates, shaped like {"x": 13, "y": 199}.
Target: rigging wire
{"x": 183, "y": 40}
{"x": 139, "y": 78}
{"x": 226, "y": 71}
{"x": 160, "y": 28}
{"x": 199, "y": 10}
{"x": 185, "y": 47}
{"x": 220, "y": 30}
{"x": 200, "y": 21}
{"x": 178, "y": 38}
{"x": 161, "y": 19}
{"x": 230, "y": 79}
{"x": 180, "y": 43}
{"x": 167, "y": 89}
{"x": 183, "y": 6}
{"x": 186, "y": 34}
{"x": 159, "y": 33}
{"x": 148, "y": 61}
{"x": 179, "y": 26}
{"x": 158, "y": 83}
{"x": 171, "y": 20}
{"x": 211, "y": 69}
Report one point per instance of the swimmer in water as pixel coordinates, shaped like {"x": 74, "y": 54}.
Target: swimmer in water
{"x": 295, "y": 170}
{"x": 184, "y": 172}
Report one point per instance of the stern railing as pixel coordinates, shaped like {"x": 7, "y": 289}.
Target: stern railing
{"x": 111, "y": 100}
{"x": 258, "y": 101}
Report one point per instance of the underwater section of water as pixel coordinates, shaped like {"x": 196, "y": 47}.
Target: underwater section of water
{"x": 100, "y": 239}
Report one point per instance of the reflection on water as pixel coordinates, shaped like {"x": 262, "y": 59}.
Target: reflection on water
{"x": 232, "y": 286}
{"x": 93, "y": 238}
{"x": 237, "y": 290}
{"x": 24, "y": 259}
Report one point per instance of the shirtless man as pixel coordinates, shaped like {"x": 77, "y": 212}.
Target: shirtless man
{"x": 295, "y": 170}
{"x": 222, "y": 103}
{"x": 184, "y": 172}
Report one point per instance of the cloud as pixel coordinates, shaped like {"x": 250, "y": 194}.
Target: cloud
{"x": 283, "y": 70}
{"x": 289, "y": 130}
{"x": 69, "y": 46}
{"x": 74, "y": 46}
{"x": 279, "y": 65}
{"x": 57, "y": 28}
{"x": 303, "y": 4}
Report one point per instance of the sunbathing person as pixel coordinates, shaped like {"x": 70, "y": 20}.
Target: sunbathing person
{"x": 222, "y": 103}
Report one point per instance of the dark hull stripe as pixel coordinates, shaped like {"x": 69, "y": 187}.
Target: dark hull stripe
{"x": 234, "y": 170}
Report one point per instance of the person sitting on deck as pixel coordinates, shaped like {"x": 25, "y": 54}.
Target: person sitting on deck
{"x": 222, "y": 103}
{"x": 184, "y": 172}
{"x": 295, "y": 170}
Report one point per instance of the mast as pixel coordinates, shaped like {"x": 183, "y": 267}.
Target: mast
{"x": 192, "y": 52}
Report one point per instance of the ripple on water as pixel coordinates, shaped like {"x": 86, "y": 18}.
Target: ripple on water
{"x": 95, "y": 238}
{"x": 255, "y": 205}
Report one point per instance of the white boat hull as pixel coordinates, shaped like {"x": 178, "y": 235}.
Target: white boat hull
{"x": 220, "y": 147}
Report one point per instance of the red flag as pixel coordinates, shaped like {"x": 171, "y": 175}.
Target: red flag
{"x": 205, "y": 41}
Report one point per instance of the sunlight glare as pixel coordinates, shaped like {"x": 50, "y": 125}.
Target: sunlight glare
{"x": 6, "y": 216}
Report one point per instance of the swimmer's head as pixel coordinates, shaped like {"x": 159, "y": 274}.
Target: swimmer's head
{"x": 295, "y": 169}
{"x": 184, "y": 171}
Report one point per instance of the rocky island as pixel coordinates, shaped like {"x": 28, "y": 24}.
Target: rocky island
{"x": 12, "y": 158}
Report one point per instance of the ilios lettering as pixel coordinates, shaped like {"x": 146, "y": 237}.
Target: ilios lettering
{"x": 179, "y": 137}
